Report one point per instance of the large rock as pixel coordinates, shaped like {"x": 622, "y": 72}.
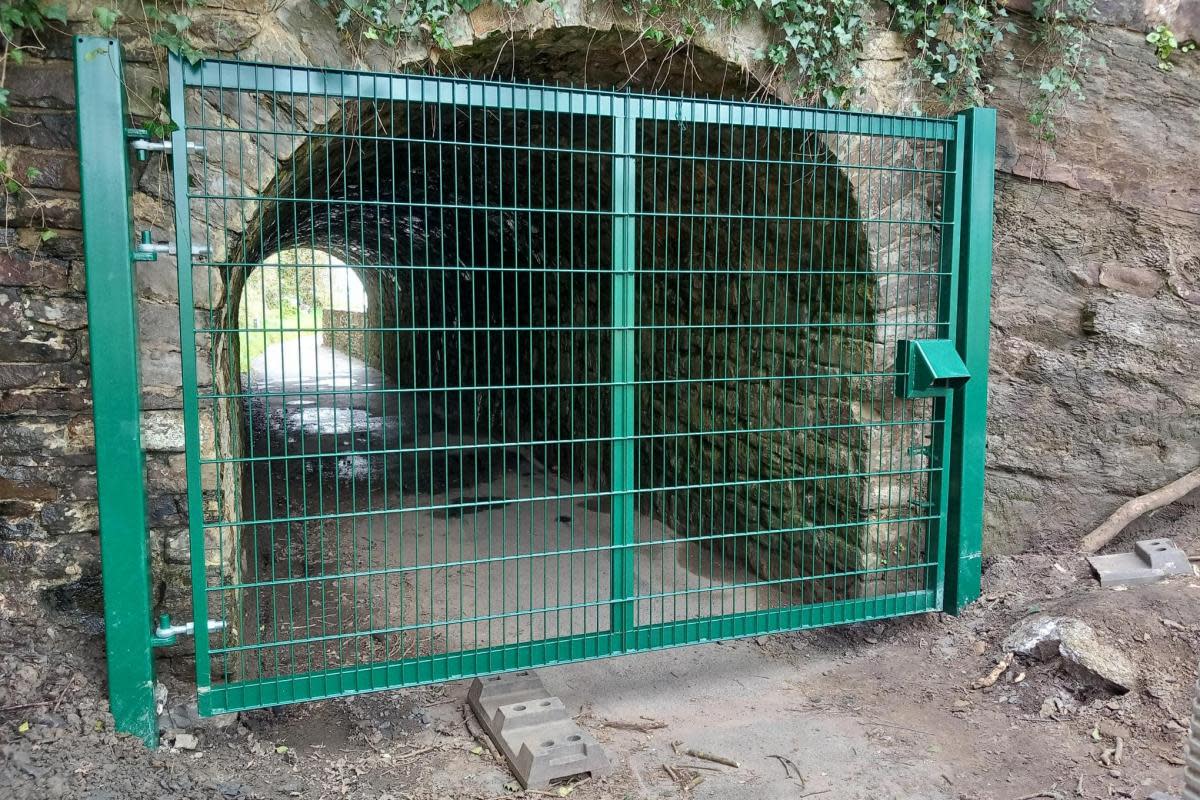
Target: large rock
{"x": 1083, "y": 655}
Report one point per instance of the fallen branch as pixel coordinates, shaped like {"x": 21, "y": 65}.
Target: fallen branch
{"x": 703, "y": 756}
{"x": 641, "y": 727}
{"x": 476, "y": 732}
{"x": 1138, "y": 506}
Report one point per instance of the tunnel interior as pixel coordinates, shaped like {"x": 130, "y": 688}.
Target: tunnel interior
{"x": 485, "y": 240}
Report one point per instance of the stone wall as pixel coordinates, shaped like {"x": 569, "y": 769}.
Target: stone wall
{"x": 1096, "y": 297}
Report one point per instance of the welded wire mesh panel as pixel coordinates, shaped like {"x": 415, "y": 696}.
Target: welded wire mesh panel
{"x": 490, "y": 376}
{"x": 780, "y": 479}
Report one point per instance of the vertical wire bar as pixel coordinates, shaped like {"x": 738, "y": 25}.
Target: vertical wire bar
{"x": 946, "y": 282}
{"x": 191, "y": 408}
{"x": 624, "y": 368}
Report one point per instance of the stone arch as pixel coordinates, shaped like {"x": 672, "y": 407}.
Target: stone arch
{"x": 331, "y": 160}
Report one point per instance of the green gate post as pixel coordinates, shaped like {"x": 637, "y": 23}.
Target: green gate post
{"x": 964, "y": 543}
{"x": 116, "y": 397}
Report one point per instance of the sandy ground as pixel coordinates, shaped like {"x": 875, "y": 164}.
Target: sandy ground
{"x": 872, "y": 711}
{"x": 882, "y": 710}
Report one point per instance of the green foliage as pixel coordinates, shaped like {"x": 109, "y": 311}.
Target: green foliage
{"x": 821, "y": 40}
{"x": 1166, "y": 45}
{"x": 392, "y": 21}
{"x": 1061, "y": 36}
{"x": 817, "y": 40}
{"x": 20, "y": 23}
{"x": 14, "y": 188}
{"x": 168, "y": 29}
{"x": 106, "y": 18}
{"x": 951, "y": 42}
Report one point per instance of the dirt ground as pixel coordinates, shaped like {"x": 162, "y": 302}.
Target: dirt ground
{"x": 876, "y": 710}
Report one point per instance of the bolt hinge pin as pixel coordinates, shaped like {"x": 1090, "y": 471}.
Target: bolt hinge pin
{"x": 143, "y": 147}
{"x": 166, "y": 634}
{"x": 147, "y": 249}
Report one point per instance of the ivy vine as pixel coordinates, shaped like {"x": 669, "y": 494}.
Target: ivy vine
{"x": 951, "y": 41}
{"x": 815, "y": 44}
{"x": 1061, "y": 39}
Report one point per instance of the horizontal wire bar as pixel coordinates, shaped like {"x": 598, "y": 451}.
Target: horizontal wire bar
{"x": 586, "y": 604}
{"x": 728, "y": 326}
{"x": 387, "y": 673}
{"x": 544, "y": 554}
{"x": 556, "y": 149}
{"x": 475, "y": 447}
{"x": 463, "y": 93}
{"x": 703, "y": 379}
{"x": 559, "y": 211}
{"x": 579, "y": 496}
{"x": 535, "y": 269}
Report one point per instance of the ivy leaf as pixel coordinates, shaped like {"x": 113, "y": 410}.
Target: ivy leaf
{"x": 106, "y": 17}
{"x": 47, "y": 234}
{"x": 56, "y": 12}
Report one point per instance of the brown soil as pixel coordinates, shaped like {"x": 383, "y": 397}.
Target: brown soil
{"x": 876, "y": 710}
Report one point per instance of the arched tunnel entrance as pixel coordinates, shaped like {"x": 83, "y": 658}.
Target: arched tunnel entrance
{"x": 451, "y": 483}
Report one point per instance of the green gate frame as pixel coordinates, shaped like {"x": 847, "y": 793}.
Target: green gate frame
{"x": 109, "y": 252}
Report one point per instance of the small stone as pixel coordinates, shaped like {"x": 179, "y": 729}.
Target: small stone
{"x": 1083, "y": 654}
{"x": 979, "y": 647}
{"x": 186, "y": 741}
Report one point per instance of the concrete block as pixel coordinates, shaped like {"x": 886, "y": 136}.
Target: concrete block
{"x": 534, "y": 731}
{"x": 1151, "y": 561}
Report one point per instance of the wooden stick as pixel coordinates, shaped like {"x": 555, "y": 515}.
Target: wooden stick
{"x": 641, "y": 727}
{"x": 703, "y": 756}
{"x": 1138, "y": 506}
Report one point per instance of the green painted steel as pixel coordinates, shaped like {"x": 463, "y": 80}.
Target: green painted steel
{"x": 969, "y": 420}
{"x": 484, "y": 376}
{"x": 116, "y": 398}
{"x": 624, "y": 377}
{"x": 928, "y": 368}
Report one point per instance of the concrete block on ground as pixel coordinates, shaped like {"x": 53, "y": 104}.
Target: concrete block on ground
{"x": 1151, "y": 561}
{"x": 534, "y": 731}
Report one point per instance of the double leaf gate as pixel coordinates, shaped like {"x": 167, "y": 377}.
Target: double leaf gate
{"x": 487, "y": 376}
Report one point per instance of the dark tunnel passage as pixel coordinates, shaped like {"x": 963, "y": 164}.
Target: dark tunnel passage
{"x": 477, "y": 387}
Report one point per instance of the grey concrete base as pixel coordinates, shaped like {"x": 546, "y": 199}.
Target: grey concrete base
{"x": 534, "y": 731}
{"x": 1151, "y": 560}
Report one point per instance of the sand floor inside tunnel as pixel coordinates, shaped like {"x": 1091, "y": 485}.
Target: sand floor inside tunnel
{"x": 467, "y": 544}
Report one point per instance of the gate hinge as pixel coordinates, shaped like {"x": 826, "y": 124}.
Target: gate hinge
{"x": 147, "y": 249}
{"x": 166, "y": 634}
{"x": 144, "y": 147}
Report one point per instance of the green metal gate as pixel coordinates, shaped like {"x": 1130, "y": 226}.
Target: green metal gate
{"x": 625, "y": 372}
